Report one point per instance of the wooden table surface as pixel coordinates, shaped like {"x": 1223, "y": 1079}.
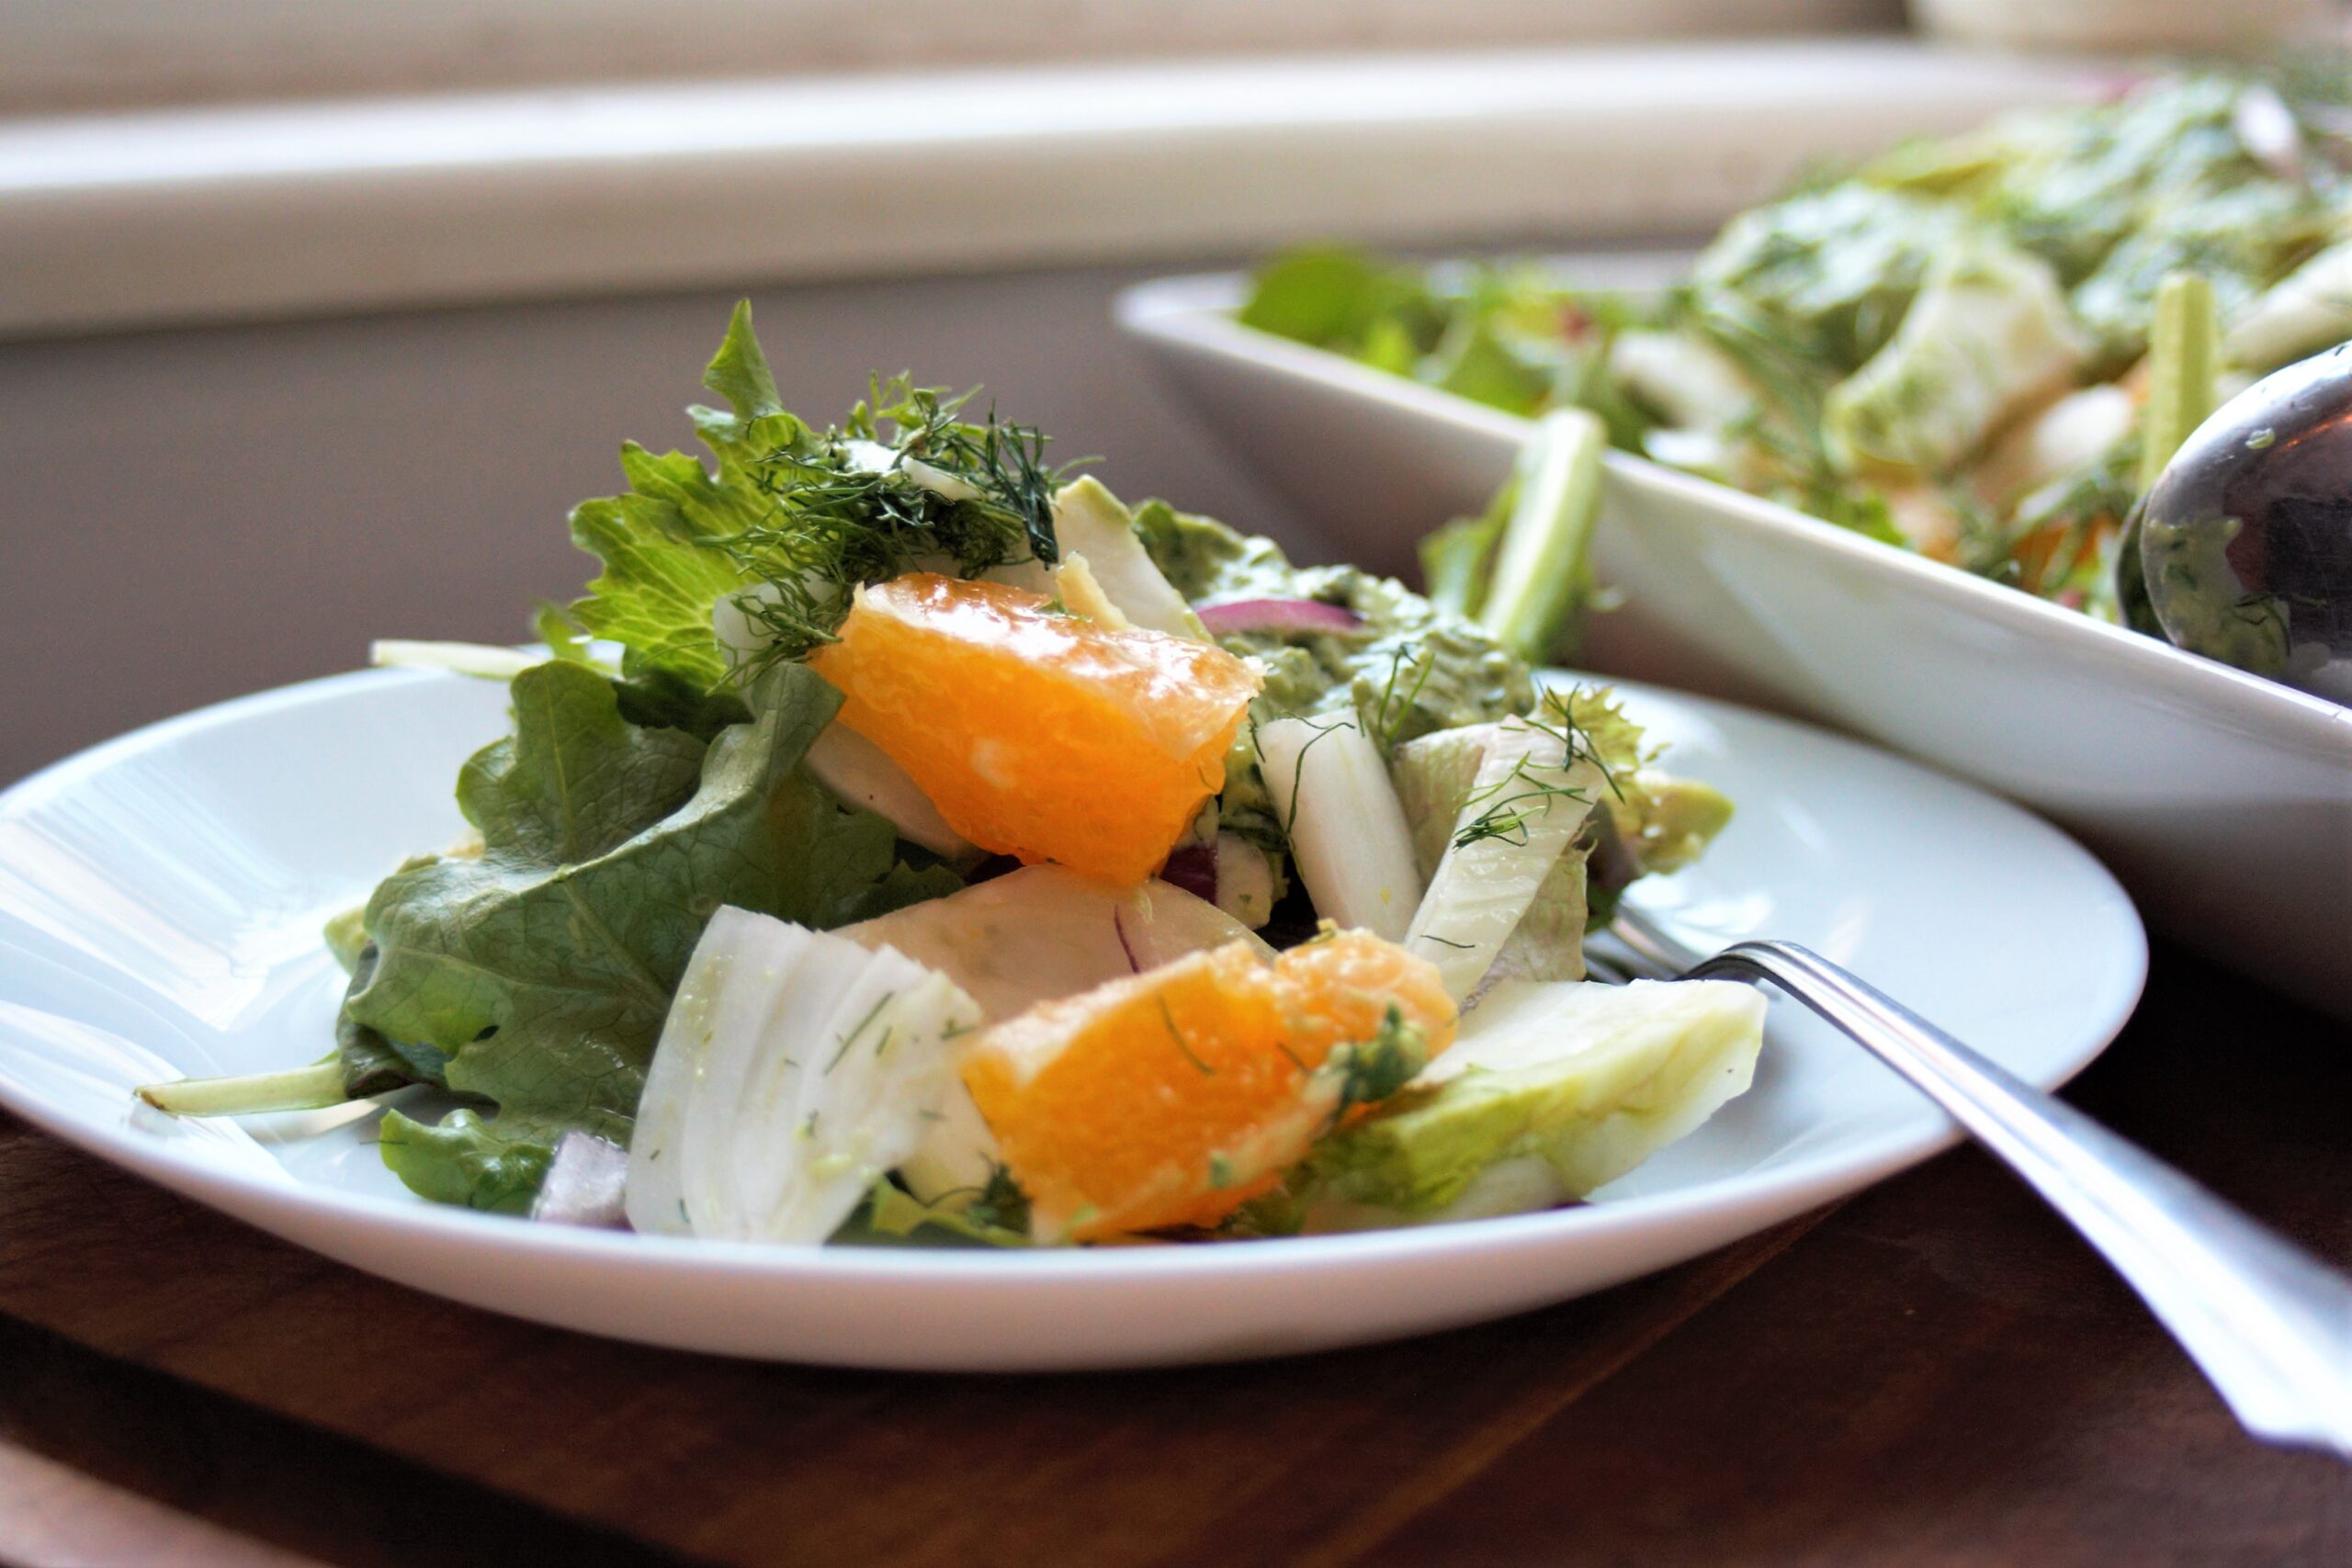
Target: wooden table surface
{"x": 1934, "y": 1373}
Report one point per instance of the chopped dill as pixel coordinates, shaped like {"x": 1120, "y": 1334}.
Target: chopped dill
{"x": 1182, "y": 1045}
{"x": 1298, "y": 765}
{"x": 1391, "y": 728}
{"x": 951, "y": 494}
{"x": 1511, "y": 802}
{"x": 847, "y": 1040}
{"x": 1001, "y": 1202}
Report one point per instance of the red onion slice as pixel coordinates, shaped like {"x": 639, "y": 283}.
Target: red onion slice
{"x": 1235, "y": 616}
{"x": 1192, "y": 867}
{"x": 584, "y": 1184}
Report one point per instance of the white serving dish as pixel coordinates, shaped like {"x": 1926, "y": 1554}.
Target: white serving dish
{"x": 160, "y": 906}
{"x": 2222, "y": 800}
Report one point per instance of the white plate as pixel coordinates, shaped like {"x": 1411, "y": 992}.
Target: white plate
{"x": 2224, "y": 801}
{"x": 159, "y": 904}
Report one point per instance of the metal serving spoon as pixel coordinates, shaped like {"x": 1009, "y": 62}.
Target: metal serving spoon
{"x": 2269, "y": 1325}
{"x": 2242, "y": 550}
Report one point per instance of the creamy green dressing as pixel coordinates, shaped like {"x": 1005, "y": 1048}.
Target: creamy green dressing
{"x": 1410, "y": 669}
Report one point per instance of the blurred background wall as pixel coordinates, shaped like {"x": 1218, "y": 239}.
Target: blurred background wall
{"x": 194, "y": 514}
{"x": 315, "y": 320}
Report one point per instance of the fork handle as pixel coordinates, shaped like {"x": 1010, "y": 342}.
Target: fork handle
{"x": 2270, "y": 1325}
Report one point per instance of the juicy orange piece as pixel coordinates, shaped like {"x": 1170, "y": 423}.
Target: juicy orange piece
{"x": 1171, "y": 1098}
{"x": 1338, "y": 990}
{"x": 1038, "y": 734}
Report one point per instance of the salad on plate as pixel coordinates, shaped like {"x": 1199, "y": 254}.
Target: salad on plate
{"x": 1980, "y": 348}
{"x": 906, "y": 841}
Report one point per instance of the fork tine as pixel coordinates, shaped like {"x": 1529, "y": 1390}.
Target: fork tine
{"x": 1660, "y": 954}
{"x": 1601, "y": 967}
{"x": 1624, "y": 960}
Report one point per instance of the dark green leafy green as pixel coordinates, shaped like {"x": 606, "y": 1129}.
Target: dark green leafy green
{"x": 539, "y": 970}
{"x": 372, "y": 1064}
{"x": 471, "y": 1163}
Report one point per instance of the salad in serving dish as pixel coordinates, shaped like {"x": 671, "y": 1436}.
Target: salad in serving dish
{"x": 905, "y": 840}
{"x": 1980, "y": 348}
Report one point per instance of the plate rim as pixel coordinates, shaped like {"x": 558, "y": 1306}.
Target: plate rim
{"x": 1786, "y": 1191}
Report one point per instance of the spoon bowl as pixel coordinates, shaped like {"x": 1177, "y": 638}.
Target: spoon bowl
{"x": 2242, "y": 549}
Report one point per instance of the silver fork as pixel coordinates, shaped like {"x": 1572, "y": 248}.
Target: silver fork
{"x": 2269, "y": 1325}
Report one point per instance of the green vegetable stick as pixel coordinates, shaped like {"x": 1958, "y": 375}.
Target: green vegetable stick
{"x": 297, "y": 1089}
{"x": 2184, "y": 343}
{"x": 1456, "y": 557}
{"x": 1540, "y": 570}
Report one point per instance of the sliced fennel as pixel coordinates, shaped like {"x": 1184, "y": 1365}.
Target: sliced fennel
{"x": 1245, "y": 880}
{"x": 2056, "y": 443}
{"x": 875, "y": 458}
{"x": 1032, "y": 935}
{"x": 1693, "y": 385}
{"x": 2310, "y": 310}
{"x": 739, "y": 636}
{"x": 1551, "y": 1092}
{"x": 795, "y": 1069}
{"x": 1347, "y": 832}
{"x": 313, "y": 1087}
{"x": 1502, "y": 849}
{"x": 1989, "y": 334}
{"x": 1090, "y": 520}
{"x": 1082, "y": 594}
{"x": 862, "y": 775}
{"x": 484, "y": 661}
{"x": 1044, "y": 932}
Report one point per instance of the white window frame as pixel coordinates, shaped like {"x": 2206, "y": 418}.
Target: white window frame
{"x": 63, "y": 56}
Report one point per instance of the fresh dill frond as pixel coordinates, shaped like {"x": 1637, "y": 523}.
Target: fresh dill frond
{"x": 947, "y": 494}
{"x": 1511, "y": 802}
{"x": 1506, "y": 815}
{"x": 1002, "y": 1204}
{"x": 1184, "y": 1044}
{"x": 1405, "y": 655}
{"x": 1298, "y": 766}
{"x": 1577, "y": 745}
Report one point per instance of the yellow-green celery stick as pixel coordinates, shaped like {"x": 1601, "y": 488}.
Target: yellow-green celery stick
{"x": 1539, "y": 568}
{"x": 2184, "y": 344}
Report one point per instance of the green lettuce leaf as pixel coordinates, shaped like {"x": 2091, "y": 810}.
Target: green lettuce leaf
{"x": 539, "y": 972}
{"x": 1550, "y": 1091}
{"x": 1344, "y": 299}
{"x": 665, "y": 544}
{"x": 665, "y": 564}
{"x": 471, "y": 1163}
{"x": 794, "y": 518}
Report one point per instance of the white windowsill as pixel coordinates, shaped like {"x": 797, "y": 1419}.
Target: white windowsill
{"x": 204, "y": 214}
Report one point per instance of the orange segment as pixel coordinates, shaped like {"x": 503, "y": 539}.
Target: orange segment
{"x": 1037, "y": 734}
{"x": 1171, "y": 1098}
{"x": 1338, "y": 990}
